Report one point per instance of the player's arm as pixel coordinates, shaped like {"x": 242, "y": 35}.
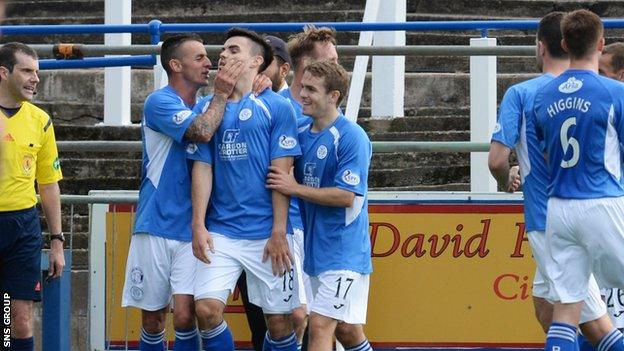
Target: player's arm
{"x": 498, "y": 161}
{"x": 206, "y": 124}
{"x": 201, "y": 188}
{"x": 48, "y": 173}
{"x": 51, "y": 204}
{"x": 277, "y": 245}
{"x": 283, "y": 182}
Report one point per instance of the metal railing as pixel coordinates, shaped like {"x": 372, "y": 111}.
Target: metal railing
{"x": 156, "y": 29}
{"x": 78, "y": 51}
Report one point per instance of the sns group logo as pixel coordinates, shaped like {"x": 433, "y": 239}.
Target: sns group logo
{"x": 287, "y": 142}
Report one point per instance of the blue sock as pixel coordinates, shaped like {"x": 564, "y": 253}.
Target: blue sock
{"x": 363, "y": 346}
{"x": 584, "y": 344}
{"x": 287, "y": 343}
{"x": 217, "y": 339}
{"x": 152, "y": 342}
{"x": 561, "y": 337}
{"x": 611, "y": 342}
{"x": 27, "y": 344}
{"x": 299, "y": 346}
{"x": 186, "y": 340}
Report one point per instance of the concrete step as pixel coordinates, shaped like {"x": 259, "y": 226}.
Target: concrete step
{"x": 54, "y": 9}
{"x": 421, "y": 175}
{"x": 413, "y": 159}
{"x": 452, "y": 135}
{"x": 81, "y": 186}
{"x": 76, "y": 168}
{"x": 433, "y": 90}
{"x": 438, "y": 187}
{"x": 417, "y": 123}
{"x": 96, "y": 132}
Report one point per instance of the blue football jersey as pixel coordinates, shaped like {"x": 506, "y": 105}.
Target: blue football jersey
{"x": 164, "y": 207}
{"x": 579, "y": 116}
{"x": 515, "y": 131}
{"x": 294, "y": 215}
{"x": 254, "y": 131}
{"x": 336, "y": 238}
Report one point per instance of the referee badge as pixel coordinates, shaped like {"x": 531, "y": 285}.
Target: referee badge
{"x": 27, "y": 163}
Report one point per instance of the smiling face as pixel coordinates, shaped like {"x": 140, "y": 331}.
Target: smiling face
{"x": 22, "y": 81}
{"x": 315, "y": 99}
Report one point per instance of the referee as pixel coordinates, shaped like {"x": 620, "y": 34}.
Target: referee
{"x": 29, "y": 154}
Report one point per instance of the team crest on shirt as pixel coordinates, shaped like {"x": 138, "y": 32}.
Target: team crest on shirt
{"x": 570, "y": 86}
{"x": 136, "y": 292}
{"x": 136, "y": 276}
{"x": 191, "y": 148}
{"x": 321, "y": 152}
{"x": 28, "y": 162}
{"x": 179, "y": 117}
{"x": 245, "y": 114}
{"x": 350, "y": 178}
{"x": 497, "y": 128}
{"x": 286, "y": 142}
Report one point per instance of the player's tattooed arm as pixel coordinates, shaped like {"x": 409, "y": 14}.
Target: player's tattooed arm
{"x": 206, "y": 124}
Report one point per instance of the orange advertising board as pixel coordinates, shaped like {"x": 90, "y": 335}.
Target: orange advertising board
{"x": 447, "y": 274}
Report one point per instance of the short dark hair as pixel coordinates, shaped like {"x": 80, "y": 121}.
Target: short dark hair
{"x": 581, "y": 30}
{"x": 262, "y": 47}
{"x": 8, "y": 51}
{"x": 617, "y": 58}
{"x": 336, "y": 77}
{"x": 302, "y": 44}
{"x": 549, "y": 33}
{"x": 170, "y": 48}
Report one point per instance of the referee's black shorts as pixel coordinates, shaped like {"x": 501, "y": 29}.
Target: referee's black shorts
{"x": 20, "y": 254}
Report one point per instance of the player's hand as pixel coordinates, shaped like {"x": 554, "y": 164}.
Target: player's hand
{"x": 226, "y": 78}
{"x": 57, "y": 259}
{"x": 277, "y": 249}
{"x": 202, "y": 242}
{"x": 260, "y": 84}
{"x": 281, "y": 181}
{"x": 514, "y": 179}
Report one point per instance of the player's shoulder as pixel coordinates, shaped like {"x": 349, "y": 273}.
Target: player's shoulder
{"x": 349, "y": 129}
{"x": 274, "y": 103}
{"x": 38, "y": 115}
{"x": 37, "y": 111}
{"x": 614, "y": 86}
{"x": 163, "y": 95}
{"x": 531, "y": 86}
{"x": 270, "y": 98}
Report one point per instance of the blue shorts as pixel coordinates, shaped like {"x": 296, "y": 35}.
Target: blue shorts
{"x": 20, "y": 254}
